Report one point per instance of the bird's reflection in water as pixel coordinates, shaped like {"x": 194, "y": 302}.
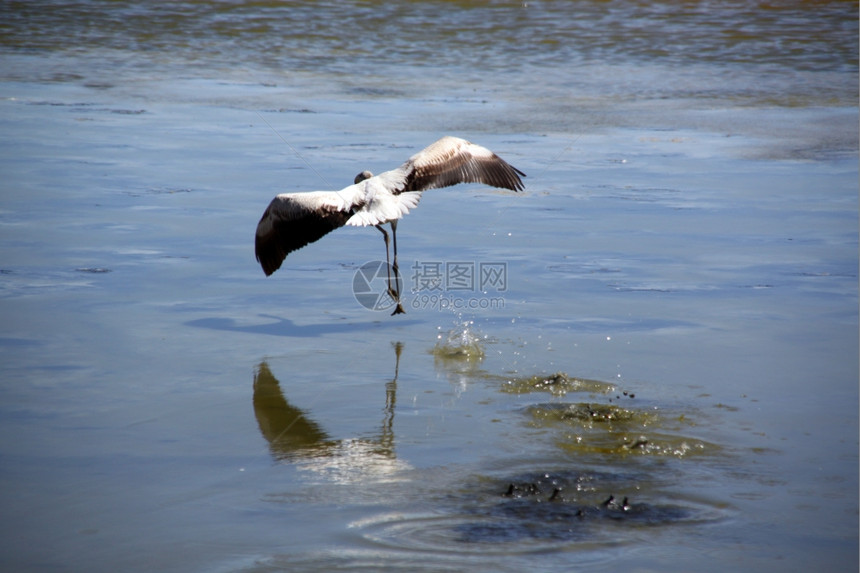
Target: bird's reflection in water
{"x": 284, "y": 426}
{"x": 294, "y": 437}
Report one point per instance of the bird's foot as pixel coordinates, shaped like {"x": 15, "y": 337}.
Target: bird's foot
{"x": 398, "y": 309}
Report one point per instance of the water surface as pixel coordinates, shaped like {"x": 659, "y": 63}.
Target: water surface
{"x": 666, "y": 380}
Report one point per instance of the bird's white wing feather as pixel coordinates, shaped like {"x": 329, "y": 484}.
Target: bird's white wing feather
{"x": 452, "y": 160}
{"x": 382, "y": 202}
{"x": 448, "y": 161}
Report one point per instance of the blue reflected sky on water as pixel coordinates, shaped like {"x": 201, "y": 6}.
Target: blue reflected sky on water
{"x": 688, "y": 234}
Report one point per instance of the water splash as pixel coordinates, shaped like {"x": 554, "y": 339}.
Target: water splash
{"x": 464, "y": 342}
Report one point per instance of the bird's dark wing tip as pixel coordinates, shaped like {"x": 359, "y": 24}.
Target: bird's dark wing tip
{"x": 269, "y": 254}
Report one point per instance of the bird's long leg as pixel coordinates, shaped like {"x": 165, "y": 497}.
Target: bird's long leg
{"x": 399, "y": 308}
{"x": 395, "y": 267}
{"x": 391, "y": 290}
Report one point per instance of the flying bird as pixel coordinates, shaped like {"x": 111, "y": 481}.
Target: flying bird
{"x": 293, "y": 220}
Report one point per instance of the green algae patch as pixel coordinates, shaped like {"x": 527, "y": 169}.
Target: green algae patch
{"x": 557, "y": 384}
{"x": 615, "y": 430}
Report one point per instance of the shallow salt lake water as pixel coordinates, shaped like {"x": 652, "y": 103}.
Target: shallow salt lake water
{"x": 666, "y": 378}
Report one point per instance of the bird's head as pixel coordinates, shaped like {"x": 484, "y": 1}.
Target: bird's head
{"x": 362, "y": 176}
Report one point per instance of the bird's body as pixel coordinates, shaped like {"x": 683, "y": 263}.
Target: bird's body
{"x": 293, "y": 220}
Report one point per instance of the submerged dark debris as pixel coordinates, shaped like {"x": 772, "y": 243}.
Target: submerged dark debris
{"x": 568, "y": 507}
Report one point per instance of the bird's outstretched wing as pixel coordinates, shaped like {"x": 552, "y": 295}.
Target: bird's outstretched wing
{"x": 293, "y": 220}
{"x": 452, "y": 160}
